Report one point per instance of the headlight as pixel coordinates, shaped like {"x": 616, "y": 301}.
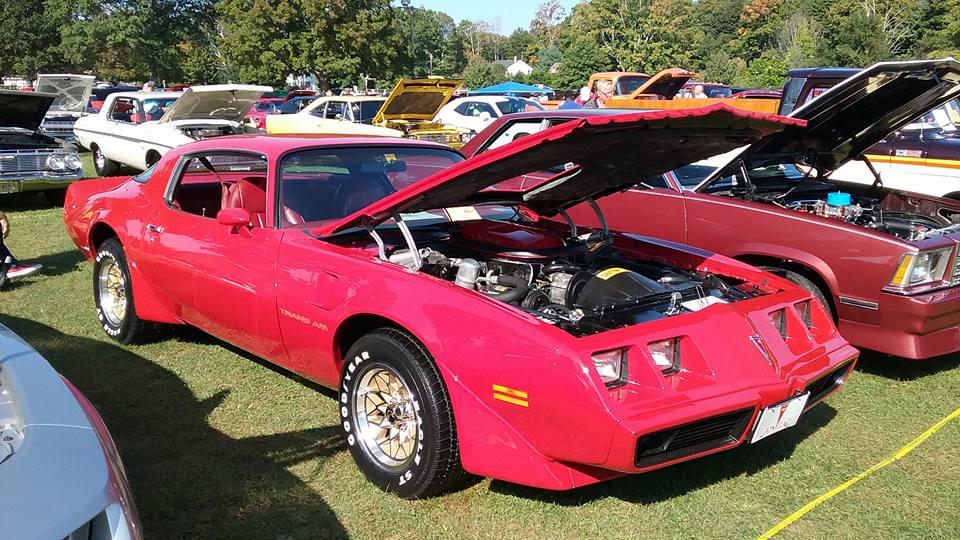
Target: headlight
{"x": 922, "y": 268}
{"x": 56, "y": 162}
{"x": 73, "y": 162}
{"x": 611, "y": 366}
{"x": 465, "y": 137}
{"x": 666, "y": 355}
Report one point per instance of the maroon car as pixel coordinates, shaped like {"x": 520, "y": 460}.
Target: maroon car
{"x": 885, "y": 262}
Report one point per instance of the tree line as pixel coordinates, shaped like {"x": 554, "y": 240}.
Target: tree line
{"x": 348, "y": 42}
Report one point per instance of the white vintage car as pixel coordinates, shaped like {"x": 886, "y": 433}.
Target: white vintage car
{"x": 136, "y": 128}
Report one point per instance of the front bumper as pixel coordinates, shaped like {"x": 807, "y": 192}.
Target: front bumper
{"x": 26, "y": 183}
{"x": 675, "y": 433}
{"x": 913, "y": 327}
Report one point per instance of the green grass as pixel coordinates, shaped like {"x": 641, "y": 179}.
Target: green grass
{"x": 219, "y": 445}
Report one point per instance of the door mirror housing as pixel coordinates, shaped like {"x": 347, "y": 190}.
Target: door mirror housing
{"x": 485, "y": 116}
{"x": 235, "y": 218}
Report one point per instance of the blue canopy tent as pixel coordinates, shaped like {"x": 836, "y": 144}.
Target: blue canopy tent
{"x": 511, "y": 88}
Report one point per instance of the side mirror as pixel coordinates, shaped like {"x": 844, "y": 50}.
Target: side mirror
{"x": 338, "y": 117}
{"x": 235, "y": 218}
{"x": 485, "y": 116}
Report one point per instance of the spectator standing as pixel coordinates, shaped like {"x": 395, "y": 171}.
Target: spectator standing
{"x": 604, "y": 91}
{"x": 570, "y": 102}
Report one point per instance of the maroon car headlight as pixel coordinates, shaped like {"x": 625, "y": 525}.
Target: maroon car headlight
{"x": 922, "y": 270}
{"x": 666, "y": 355}
{"x": 611, "y": 366}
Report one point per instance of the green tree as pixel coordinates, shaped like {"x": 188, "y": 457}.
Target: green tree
{"x": 479, "y": 73}
{"x": 30, "y": 36}
{"x": 578, "y": 61}
{"x": 454, "y": 57}
{"x": 720, "y": 67}
{"x": 798, "y": 41}
{"x": 766, "y": 71}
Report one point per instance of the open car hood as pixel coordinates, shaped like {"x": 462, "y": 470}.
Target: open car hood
{"x": 218, "y": 101}
{"x": 592, "y": 149}
{"x": 23, "y": 109}
{"x": 859, "y": 112}
{"x": 665, "y": 84}
{"x": 72, "y": 91}
{"x": 416, "y": 99}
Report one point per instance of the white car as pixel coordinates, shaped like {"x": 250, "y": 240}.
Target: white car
{"x": 344, "y": 115}
{"x": 136, "y": 128}
{"x": 474, "y": 113}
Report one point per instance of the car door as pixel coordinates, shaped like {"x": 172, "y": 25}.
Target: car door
{"x": 219, "y": 278}
{"x": 121, "y": 141}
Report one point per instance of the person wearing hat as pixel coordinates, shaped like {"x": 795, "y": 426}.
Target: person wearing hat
{"x": 149, "y": 86}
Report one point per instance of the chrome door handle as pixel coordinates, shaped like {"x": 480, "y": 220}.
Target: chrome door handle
{"x": 154, "y": 228}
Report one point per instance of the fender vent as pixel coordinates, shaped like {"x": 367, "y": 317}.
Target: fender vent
{"x": 692, "y": 438}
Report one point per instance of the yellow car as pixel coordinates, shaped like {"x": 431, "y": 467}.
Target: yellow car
{"x": 407, "y": 112}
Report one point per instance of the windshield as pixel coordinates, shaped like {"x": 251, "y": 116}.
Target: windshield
{"x": 265, "y": 107}
{"x": 627, "y": 85}
{"x": 945, "y": 118}
{"x": 294, "y": 105}
{"x": 364, "y": 111}
{"x": 516, "y": 105}
{"x": 331, "y": 183}
{"x": 156, "y": 107}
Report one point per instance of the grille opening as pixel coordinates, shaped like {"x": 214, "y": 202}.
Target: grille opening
{"x": 692, "y": 438}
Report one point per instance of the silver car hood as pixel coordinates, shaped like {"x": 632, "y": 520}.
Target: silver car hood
{"x": 72, "y": 91}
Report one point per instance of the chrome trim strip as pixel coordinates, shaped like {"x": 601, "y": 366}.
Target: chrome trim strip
{"x": 865, "y": 304}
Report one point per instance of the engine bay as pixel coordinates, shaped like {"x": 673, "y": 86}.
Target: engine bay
{"x": 904, "y": 216}
{"x": 581, "y": 285}
{"x": 207, "y": 132}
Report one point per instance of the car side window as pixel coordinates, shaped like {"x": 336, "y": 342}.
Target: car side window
{"x": 462, "y": 108}
{"x": 209, "y": 182}
{"x": 334, "y": 109}
{"x": 519, "y": 129}
{"x": 126, "y": 110}
{"x": 477, "y": 108}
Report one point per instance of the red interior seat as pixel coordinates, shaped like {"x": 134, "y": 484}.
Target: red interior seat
{"x": 250, "y": 194}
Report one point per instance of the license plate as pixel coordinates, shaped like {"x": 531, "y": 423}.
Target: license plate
{"x": 779, "y": 417}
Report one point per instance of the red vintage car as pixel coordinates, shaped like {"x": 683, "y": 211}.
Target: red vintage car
{"x": 885, "y": 262}
{"x": 464, "y": 333}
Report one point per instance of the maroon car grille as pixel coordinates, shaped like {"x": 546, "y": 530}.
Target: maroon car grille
{"x": 955, "y": 280}
{"x": 693, "y": 438}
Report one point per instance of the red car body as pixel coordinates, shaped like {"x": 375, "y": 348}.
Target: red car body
{"x": 257, "y": 115}
{"x": 850, "y": 264}
{"x": 528, "y": 404}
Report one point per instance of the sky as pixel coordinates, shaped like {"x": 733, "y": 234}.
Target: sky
{"x": 510, "y": 14}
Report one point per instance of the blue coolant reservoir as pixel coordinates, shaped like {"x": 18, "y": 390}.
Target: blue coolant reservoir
{"x": 839, "y": 198}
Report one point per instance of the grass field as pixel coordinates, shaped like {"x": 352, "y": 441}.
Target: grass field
{"x": 219, "y": 445}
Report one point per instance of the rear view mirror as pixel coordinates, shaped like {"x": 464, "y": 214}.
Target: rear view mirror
{"x": 395, "y": 166}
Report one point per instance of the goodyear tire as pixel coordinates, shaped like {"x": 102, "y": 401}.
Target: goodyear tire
{"x": 113, "y": 294}
{"x": 104, "y": 165}
{"x": 396, "y": 416}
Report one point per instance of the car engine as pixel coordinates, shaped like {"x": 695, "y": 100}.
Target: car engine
{"x": 579, "y": 288}
{"x": 208, "y": 132}
{"x": 869, "y": 213}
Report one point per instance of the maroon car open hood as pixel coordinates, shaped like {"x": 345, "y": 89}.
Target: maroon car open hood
{"x": 611, "y": 153}
{"x": 859, "y": 112}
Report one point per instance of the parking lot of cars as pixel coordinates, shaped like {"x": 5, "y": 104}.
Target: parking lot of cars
{"x": 492, "y": 326}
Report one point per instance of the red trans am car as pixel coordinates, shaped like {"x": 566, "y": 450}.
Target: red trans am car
{"x": 457, "y": 325}
{"x": 884, "y": 261}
